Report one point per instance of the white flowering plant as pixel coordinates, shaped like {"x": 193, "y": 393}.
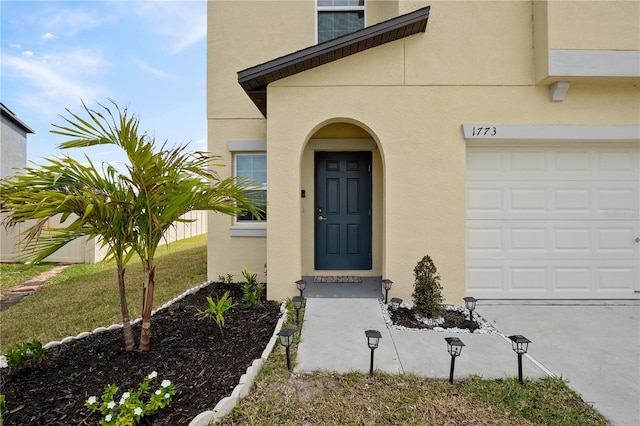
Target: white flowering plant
{"x": 131, "y": 407}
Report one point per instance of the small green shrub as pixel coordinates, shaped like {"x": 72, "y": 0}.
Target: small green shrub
{"x": 427, "y": 296}
{"x": 131, "y": 407}
{"x": 226, "y": 279}
{"x": 216, "y": 310}
{"x": 20, "y": 356}
{"x": 251, "y": 290}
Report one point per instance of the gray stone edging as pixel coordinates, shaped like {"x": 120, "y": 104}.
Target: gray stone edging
{"x": 226, "y": 404}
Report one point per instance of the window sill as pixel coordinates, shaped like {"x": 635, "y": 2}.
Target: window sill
{"x": 248, "y": 232}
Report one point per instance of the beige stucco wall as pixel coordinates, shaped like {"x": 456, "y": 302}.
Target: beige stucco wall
{"x": 241, "y": 34}
{"x": 594, "y": 25}
{"x": 474, "y": 64}
{"x": 597, "y": 25}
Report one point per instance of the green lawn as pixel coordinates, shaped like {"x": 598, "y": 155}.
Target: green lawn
{"x": 84, "y": 297}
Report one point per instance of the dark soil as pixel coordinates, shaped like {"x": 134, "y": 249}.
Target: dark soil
{"x": 452, "y": 319}
{"x": 204, "y": 366}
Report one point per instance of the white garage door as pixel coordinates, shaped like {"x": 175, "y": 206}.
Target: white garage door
{"x": 553, "y": 221}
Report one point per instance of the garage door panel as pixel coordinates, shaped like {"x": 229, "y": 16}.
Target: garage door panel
{"x": 588, "y": 240}
{"x": 570, "y": 200}
{"x": 547, "y": 163}
{"x": 553, "y": 222}
{"x": 552, "y": 279}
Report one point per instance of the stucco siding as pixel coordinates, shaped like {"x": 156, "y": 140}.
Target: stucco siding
{"x": 594, "y": 25}
{"x": 478, "y": 62}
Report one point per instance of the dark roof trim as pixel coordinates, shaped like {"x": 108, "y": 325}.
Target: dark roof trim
{"x": 11, "y": 116}
{"x": 255, "y": 80}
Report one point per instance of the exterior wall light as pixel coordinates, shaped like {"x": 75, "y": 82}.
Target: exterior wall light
{"x": 454, "y": 347}
{"x": 395, "y": 303}
{"x": 387, "y": 286}
{"x": 520, "y": 345}
{"x": 286, "y": 340}
{"x": 301, "y": 285}
{"x": 470, "y": 304}
{"x": 373, "y": 339}
{"x": 297, "y": 304}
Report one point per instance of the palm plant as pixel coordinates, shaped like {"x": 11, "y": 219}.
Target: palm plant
{"x": 130, "y": 211}
{"x": 164, "y": 185}
{"x": 100, "y": 204}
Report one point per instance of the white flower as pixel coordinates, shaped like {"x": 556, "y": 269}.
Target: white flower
{"x": 126, "y": 395}
{"x": 122, "y": 401}
{"x": 165, "y": 383}
{"x": 152, "y": 375}
{"x": 108, "y": 418}
{"x": 158, "y": 392}
{"x": 167, "y": 396}
{"x": 92, "y": 400}
{"x": 137, "y": 411}
{"x": 110, "y": 405}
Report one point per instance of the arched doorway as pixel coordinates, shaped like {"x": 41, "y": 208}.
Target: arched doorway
{"x": 342, "y": 213}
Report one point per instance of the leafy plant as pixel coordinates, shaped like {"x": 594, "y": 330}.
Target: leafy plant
{"x": 216, "y": 310}
{"x": 19, "y": 356}
{"x": 131, "y": 407}
{"x": 3, "y": 407}
{"x": 252, "y": 290}
{"x": 226, "y": 279}
{"x": 427, "y": 296}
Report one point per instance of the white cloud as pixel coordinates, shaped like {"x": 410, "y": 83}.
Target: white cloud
{"x": 154, "y": 71}
{"x": 51, "y": 84}
{"x": 47, "y": 36}
{"x": 72, "y": 22}
{"x": 15, "y": 46}
{"x": 183, "y": 23}
{"x": 27, "y": 53}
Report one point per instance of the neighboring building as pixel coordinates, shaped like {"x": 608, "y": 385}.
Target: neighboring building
{"x": 13, "y": 145}
{"x": 502, "y": 138}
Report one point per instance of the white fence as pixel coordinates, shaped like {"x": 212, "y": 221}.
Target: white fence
{"x": 84, "y": 250}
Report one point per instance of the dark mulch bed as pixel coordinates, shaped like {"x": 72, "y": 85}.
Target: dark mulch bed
{"x": 452, "y": 319}
{"x": 204, "y": 366}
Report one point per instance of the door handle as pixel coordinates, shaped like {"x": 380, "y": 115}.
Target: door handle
{"x": 321, "y": 219}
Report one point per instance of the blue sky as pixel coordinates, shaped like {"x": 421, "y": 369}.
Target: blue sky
{"x": 149, "y": 56}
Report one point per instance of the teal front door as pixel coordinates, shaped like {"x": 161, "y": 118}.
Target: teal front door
{"x": 343, "y": 210}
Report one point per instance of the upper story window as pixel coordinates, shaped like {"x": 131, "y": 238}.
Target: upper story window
{"x": 253, "y": 167}
{"x": 339, "y": 17}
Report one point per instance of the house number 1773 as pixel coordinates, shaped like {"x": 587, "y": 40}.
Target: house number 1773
{"x": 484, "y": 131}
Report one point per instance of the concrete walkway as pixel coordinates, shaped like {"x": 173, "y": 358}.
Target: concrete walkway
{"x": 595, "y": 346}
{"x": 333, "y": 339}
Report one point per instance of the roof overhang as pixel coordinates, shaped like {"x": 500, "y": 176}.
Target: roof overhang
{"x": 255, "y": 80}
{"x": 12, "y": 117}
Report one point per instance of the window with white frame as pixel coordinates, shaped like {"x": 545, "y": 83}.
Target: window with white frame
{"x": 339, "y": 17}
{"x": 254, "y": 168}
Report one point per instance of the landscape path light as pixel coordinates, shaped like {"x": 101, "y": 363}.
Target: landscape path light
{"x": 387, "y": 286}
{"x": 301, "y": 285}
{"x": 520, "y": 345}
{"x": 297, "y": 304}
{"x": 395, "y": 303}
{"x": 470, "y": 303}
{"x": 454, "y": 347}
{"x": 286, "y": 340}
{"x": 373, "y": 339}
